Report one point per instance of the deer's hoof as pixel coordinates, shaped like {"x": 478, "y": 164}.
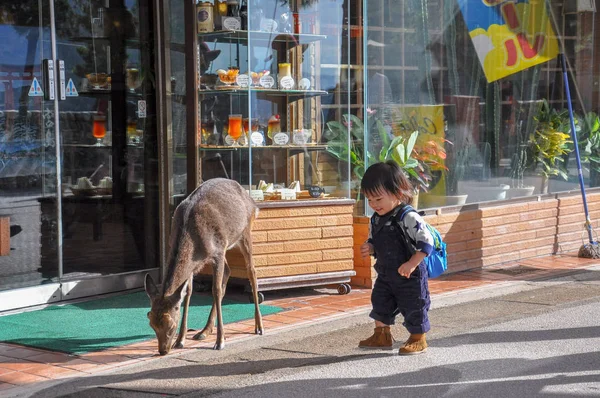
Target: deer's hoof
{"x": 259, "y": 331}
{"x": 219, "y": 346}
{"x": 200, "y": 336}
{"x": 178, "y": 345}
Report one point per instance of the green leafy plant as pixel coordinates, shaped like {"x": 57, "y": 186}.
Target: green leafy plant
{"x": 402, "y": 150}
{"x": 550, "y": 142}
{"x": 345, "y": 141}
{"x": 590, "y": 132}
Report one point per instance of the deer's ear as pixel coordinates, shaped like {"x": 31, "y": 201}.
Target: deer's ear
{"x": 151, "y": 289}
{"x": 179, "y": 294}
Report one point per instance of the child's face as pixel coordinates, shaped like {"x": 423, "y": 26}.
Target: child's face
{"x": 382, "y": 202}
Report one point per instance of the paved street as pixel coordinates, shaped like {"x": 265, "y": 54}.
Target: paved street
{"x": 526, "y": 340}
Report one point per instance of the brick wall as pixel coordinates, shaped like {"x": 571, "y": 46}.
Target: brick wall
{"x": 299, "y": 240}
{"x": 483, "y": 235}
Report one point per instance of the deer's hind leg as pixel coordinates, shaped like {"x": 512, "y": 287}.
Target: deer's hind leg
{"x": 210, "y": 323}
{"x": 184, "y": 319}
{"x": 245, "y": 246}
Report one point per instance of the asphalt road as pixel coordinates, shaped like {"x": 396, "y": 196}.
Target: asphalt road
{"x": 525, "y": 340}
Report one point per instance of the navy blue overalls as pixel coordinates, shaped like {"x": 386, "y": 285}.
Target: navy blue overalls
{"x": 394, "y": 294}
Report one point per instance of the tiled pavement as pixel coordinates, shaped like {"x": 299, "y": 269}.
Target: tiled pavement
{"x": 21, "y": 365}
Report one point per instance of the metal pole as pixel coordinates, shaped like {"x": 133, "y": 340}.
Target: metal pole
{"x": 59, "y": 229}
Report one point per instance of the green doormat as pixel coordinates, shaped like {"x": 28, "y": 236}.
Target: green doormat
{"x": 108, "y": 322}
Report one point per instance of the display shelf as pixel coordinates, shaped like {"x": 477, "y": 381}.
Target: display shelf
{"x": 301, "y": 148}
{"x": 107, "y": 92}
{"x": 98, "y": 146}
{"x": 128, "y": 42}
{"x": 235, "y": 36}
{"x": 294, "y": 95}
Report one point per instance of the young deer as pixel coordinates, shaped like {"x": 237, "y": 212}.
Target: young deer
{"x": 217, "y": 216}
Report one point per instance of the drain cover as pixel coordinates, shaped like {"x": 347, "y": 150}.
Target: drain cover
{"x": 516, "y": 270}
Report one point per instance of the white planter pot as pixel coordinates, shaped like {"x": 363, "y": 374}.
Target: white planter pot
{"x": 448, "y": 200}
{"x": 519, "y": 192}
{"x": 484, "y": 193}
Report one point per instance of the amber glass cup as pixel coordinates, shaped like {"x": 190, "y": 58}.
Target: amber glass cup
{"x": 235, "y": 126}
{"x": 99, "y": 129}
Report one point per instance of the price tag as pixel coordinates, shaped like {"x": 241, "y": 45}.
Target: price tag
{"x": 288, "y": 194}
{"x": 257, "y": 138}
{"x": 281, "y": 139}
{"x": 257, "y": 194}
{"x": 268, "y": 25}
{"x": 301, "y": 137}
{"x": 243, "y": 80}
{"x": 228, "y": 140}
{"x": 304, "y": 84}
{"x": 267, "y": 81}
{"x": 287, "y": 83}
{"x": 232, "y": 23}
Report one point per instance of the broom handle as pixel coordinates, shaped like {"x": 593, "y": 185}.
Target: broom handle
{"x": 588, "y": 224}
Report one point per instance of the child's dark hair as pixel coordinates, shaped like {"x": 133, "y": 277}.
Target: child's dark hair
{"x": 387, "y": 177}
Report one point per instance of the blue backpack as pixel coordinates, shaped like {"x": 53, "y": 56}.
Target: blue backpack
{"x": 437, "y": 261}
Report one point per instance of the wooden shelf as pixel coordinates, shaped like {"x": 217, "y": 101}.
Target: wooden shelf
{"x": 293, "y": 148}
{"x": 293, "y": 95}
{"x": 235, "y": 36}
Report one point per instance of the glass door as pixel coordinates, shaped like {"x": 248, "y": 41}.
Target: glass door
{"x": 96, "y": 208}
{"x": 28, "y": 147}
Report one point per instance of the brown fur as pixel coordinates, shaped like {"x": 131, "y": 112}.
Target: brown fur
{"x": 215, "y": 217}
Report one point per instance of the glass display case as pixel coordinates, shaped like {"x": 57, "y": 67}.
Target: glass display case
{"x": 273, "y": 89}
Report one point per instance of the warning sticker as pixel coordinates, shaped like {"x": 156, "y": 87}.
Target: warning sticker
{"x": 71, "y": 90}
{"x": 36, "y": 89}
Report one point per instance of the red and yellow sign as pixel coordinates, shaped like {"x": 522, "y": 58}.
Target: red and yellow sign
{"x": 509, "y": 35}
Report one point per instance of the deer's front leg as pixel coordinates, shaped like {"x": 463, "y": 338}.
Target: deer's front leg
{"x": 218, "y": 293}
{"x": 186, "y": 305}
{"x": 246, "y": 249}
{"x": 210, "y": 323}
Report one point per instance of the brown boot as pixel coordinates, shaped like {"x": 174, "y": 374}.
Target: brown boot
{"x": 416, "y": 344}
{"x": 381, "y": 340}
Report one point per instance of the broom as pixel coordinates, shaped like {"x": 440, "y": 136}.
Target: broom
{"x": 590, "y": 249}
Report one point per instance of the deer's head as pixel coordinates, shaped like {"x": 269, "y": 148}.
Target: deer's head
{"x": 164, "y": 313}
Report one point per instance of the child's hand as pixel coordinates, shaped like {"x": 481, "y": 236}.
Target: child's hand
{"x": 367, "y": 249}
{"x": 406, "y": 269}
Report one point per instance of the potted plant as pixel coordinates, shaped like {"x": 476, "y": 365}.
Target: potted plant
{"x": 457, "y": 165}
{"x": 549, "y": 143}
{"x": 590, "y": 151}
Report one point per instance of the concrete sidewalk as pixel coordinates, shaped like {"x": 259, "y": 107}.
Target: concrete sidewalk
{"x": 24, "y": 370}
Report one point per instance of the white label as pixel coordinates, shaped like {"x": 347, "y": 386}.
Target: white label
{"x": 228, "y": 140}
{"x": 268, "y": 25}
{"x": 301, "y": 137}
{"x": 267, "y": 81}
{"x": 243, "y": 80}
{"x": 281, "y": 139}
{"x": 288, "y": 194}
{"x": 232, "y": 23}
{"x": 304, "y": 84}
{"x": 35, "y": 90}
{"x": 287, "y": 82}
{"x": 257, "y": 138}
{"x": 51, "y": 79}
{"x": 61, "y": 77}
{"x": 71, "y": 90}
{"x": 257, "y": 194}
{"x": 141, "y": 109}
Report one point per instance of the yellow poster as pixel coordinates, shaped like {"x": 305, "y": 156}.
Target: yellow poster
{"x": 509, "y": 35}
{"x": 428, "y": 120}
